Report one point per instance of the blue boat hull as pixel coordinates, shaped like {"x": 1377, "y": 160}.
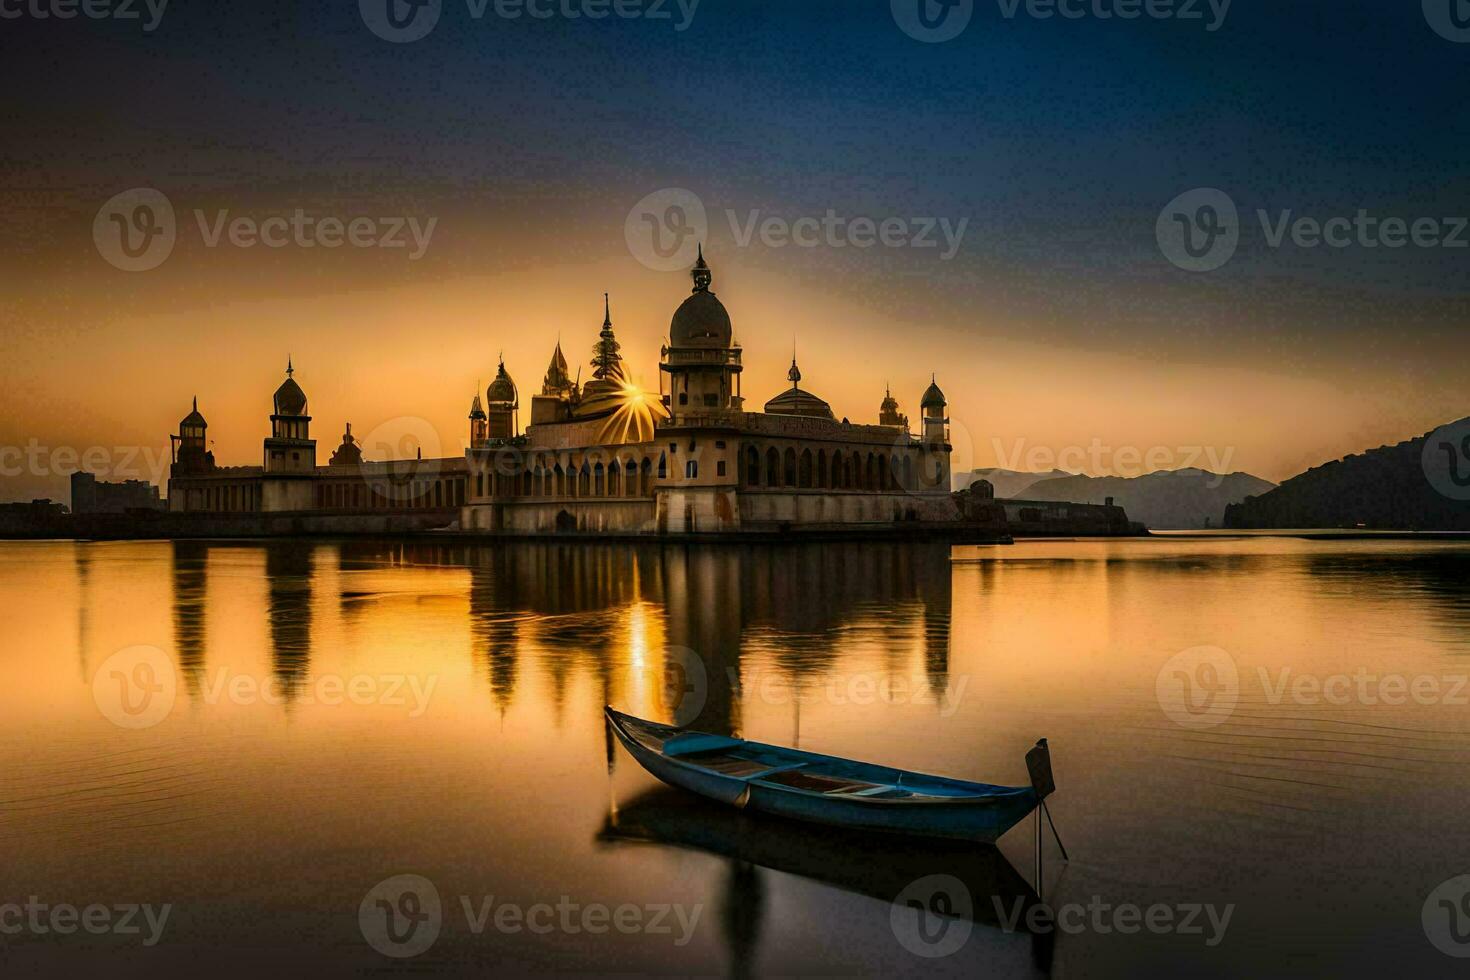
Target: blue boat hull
{"x": 902, "y": 802}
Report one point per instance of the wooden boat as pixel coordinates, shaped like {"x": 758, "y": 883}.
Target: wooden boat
{"x": 830, "y": 790}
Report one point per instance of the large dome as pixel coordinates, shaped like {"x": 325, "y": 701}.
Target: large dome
{"x": 701, "y": 321}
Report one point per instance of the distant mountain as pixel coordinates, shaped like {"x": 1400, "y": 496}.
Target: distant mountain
{"x": 1415, "y": 485}
{"x": 1007, "y": 483}
{"x": 1187, "y": 499}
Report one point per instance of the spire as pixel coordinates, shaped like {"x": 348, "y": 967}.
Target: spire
{"x": 289, "y": 369}
{"x": 701, "y": 273}
{"x": 196, "y": 403}
{"x": 606, "y": 358}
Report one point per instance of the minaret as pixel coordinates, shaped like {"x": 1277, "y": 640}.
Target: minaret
{"x": 290, "y": 448}
{"x": 479, "y": 422}
{"x": 934, "y": 465}
{"x": 936, "y": 423}
{"x": 191, "y": 453}
{"x": 502, "y": 407}
{"x": 701, "y": 359}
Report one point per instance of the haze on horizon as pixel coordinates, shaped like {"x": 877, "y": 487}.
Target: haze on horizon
{"x": 1056, "y": 325}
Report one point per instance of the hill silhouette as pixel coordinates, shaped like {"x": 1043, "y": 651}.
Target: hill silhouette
{"x": 1420, "y": 484}
{"x": 1187, "y": 499}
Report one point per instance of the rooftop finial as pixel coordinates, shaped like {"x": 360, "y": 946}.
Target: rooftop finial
{"x": 701, "y": 272}
{"x": 196, "y": 403}
{"x": 606, "y": 310}
{"x": 289, "y": 369}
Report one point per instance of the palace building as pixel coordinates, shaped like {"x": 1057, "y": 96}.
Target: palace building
{"x": 606, "y": 457}
{"x": 603, "y": 456}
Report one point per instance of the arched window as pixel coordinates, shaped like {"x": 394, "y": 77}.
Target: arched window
{"x": 773, "y": 468}
{"x": 599, "y": 482}
{"x": 822, "y": 468}
{"x": 614, "y": 479}
{"x": 584, "y": 480}
{"x": 788, "y": 476}
{"x": 804, "y": 472}
{"x": 752, "y": 466}
{"x": 663, "y": 466}
{"x": 645, "y": 478}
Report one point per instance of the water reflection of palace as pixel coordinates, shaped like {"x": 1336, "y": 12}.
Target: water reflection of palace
{"x": 618, "y": 615}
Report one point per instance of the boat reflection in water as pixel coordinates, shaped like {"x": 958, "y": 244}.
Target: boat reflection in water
{"x": 880, "y": 866}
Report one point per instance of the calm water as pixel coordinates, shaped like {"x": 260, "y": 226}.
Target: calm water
{"x": 330, "y": 715}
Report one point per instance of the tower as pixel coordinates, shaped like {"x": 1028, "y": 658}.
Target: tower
{"x": 888, "y": 413}
{"x": 290, "y": 448}
{"x": 701, "y": 359}
{"x": 191, "y": 453}
{"x": 502, "y": 407}
{"x": 479, "y": 423}
{"x": 347, "y": 454}
{"x": 934, "y": 469}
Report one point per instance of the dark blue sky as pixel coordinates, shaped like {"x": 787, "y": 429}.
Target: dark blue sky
{"x": 1058, "y": 141}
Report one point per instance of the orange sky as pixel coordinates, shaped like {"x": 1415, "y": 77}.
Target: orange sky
{"x": 104, "y": 359}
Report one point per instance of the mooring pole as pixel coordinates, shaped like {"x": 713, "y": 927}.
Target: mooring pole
{"x": 1054, "y": 832}
{"x": 1038, "y": 855}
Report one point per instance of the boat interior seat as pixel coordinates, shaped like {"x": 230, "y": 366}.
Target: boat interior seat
{"x": 689, "y": 743}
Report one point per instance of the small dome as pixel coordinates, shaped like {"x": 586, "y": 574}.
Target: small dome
{"x": 701, "y": 320}
{"x": 794, "y": 401}
{"x": 933, "y": 397}
{"x": 289, "y": 398}
{"x": 502, "y": 389}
